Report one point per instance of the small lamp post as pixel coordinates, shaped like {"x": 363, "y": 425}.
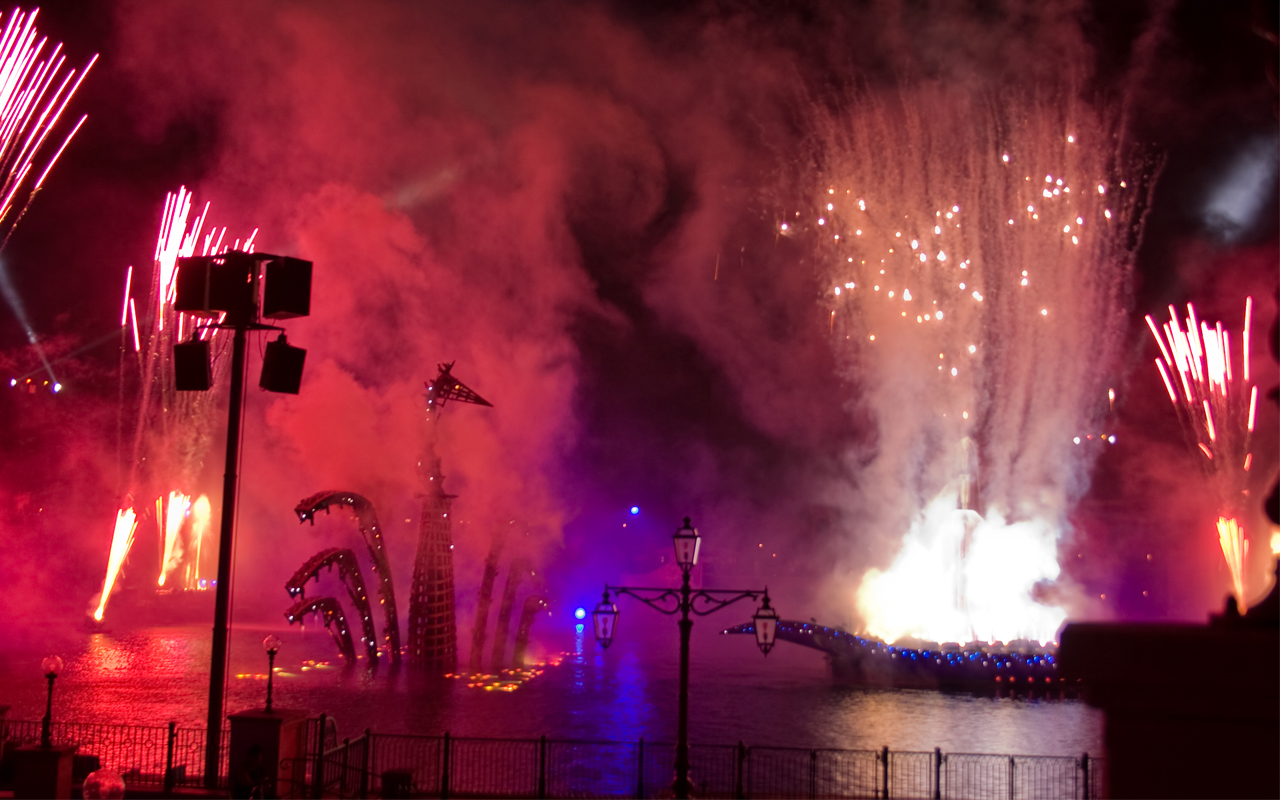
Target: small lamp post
{"x": 272, "y": 645}
{"x": 51, "y": 666}
{"x": 682, "y": 601}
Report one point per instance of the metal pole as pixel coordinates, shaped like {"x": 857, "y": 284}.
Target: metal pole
{"x": 542, "y": 766}
{"x": 742, "y": 757}
{"x": 1084, "y": 763}
{"x": 682, "y": 726}
{"x": 884, "y": 765}
{"x": 640, "y": 770}
{"x": 46, "y": 735}
{"x": 364, "y": 764}
{"x": 222, "y": 596}
{"x": 168, "y": 758}
{"x": 937, "y": 773}
{"x": 271, "y": 673}
{"x": 444, "y": 769}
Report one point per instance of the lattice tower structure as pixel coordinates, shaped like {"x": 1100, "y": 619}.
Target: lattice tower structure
{"x": 433, "y": 624}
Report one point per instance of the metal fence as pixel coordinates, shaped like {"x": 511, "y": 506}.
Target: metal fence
{"x": 394, "y": 765}
{"x": 428, "y": 766}
{"x": 145, "y": 755}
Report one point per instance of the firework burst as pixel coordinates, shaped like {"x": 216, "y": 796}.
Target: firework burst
{"x": 975, "y": 252}
{"x": 1217, "y": 405}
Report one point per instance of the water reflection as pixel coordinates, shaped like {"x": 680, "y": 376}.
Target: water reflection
{"x": 151, "y": 676}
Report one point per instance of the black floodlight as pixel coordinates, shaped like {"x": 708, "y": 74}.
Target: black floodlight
{"x": 282, "y": 367}
{"x": 287, "y": 292}
{"x": 192, "y": 370}
{"x": 209, "y": 285}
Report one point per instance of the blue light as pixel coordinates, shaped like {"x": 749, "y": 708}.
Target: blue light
{"x": 581, "y": 613}
{"x": 578, "y": 627}
{"x": 635, "y": 510}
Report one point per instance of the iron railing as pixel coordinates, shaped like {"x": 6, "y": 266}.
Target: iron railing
{"x": 145, "y": 755}
{"x": 402, "y": 765}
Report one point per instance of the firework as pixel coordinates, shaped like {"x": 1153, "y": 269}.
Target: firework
{"x": 173, "y": 430}
{"x": 1217, "y": 404}
{"x": 121, "y": 541}
{"x": 975, "y": 250}
{"x": 175, "y": 515}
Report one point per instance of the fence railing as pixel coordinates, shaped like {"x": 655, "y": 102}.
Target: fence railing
{"x": 145, "y": 755}
{"x": 430, "y": 766}
{"x": 402, "y": 765}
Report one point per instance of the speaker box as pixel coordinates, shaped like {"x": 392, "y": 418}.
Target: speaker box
{"x": 207, "y": 285}
{"x": 192, "y": 369}
{"x": 287, "y": 292}
{"x": 282, "y": 367}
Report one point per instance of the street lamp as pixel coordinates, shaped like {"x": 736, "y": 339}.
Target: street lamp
{"x": 272, "y": 645}
{"x": 52, "y": 665}
{"x": 683, "y": 601}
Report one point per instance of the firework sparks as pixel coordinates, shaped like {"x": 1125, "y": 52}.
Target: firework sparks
{"x": 175, "y": 514}
{"x": 121, "y": 541}
{"x": 1234, "y": 549}
{"x": 1217, "y": 405}
{"x": 173, "y": 429}
{"x": 968, "y": 330}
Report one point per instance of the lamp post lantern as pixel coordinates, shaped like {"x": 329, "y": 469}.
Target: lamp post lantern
{"x": 52, "y": 665}
{"x": 272, "y": 645}
{"x": 684, "y": 601}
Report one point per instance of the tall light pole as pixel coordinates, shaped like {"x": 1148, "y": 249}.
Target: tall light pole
{"x": 684, "y": 601}
{"x": 225, "y": 288}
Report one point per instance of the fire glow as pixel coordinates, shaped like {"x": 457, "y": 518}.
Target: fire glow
{"x": 976, "y": 341}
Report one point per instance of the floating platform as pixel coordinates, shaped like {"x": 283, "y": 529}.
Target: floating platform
{"x": 1020, "y": 666}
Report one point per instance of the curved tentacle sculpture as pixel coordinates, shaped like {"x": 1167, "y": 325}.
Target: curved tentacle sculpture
{"x": 532, "y": 605}
{"x": 367, "y": 519}
{"x": 349, "y": 571}
{"x": 330, "y": 611}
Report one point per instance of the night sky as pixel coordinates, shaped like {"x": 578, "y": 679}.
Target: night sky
{"x": 576, "y": 201}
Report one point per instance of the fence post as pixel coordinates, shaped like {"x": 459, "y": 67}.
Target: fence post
{"x": 444, "y": 769}
{"x": 542, "y": 766}
{"x": 317, "y": 769}
{"x": 168, "y": 758}
{"x": 640, "y": 770}
{"x": 1012, "y": 764}
{"x": 937, "y": 773}
{"x": 364, "y": 764}
{"x": 346, "y": 756}
{"x": 742, "y": 758}
{"x": 1084, "y": 763}
{"x": 813, "y": 774}
{"x": 884, "y": 767}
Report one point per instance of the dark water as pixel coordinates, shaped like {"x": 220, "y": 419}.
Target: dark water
{"x": 152, "y": 675}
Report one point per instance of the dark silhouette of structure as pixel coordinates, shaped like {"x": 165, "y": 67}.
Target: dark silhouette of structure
{"x": 433, "y": 626}
{"x": 480, "y": 627}
{"x": 349, "y": 570}
{"x": 533, "y": 604}
{"x": 335, "y": 620}
{"x": 515, "y": 574}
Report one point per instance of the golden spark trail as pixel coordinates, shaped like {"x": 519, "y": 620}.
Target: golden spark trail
{"x": 121, "y": 541}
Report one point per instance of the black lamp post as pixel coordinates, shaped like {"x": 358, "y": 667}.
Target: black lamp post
{"x": 51, "y": 666}
{"x": 682, "y": 601}
{"x": 272, "y": 645}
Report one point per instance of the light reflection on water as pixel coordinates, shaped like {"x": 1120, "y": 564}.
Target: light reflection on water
{"x": 153, "y": 675}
